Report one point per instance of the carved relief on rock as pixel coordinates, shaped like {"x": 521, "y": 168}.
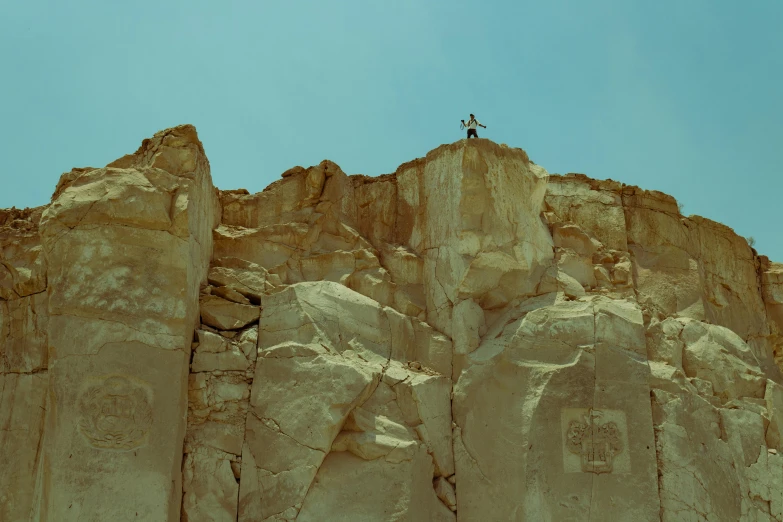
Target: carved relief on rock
{"x": 116, "y": 413}
{"x": 598, "y": 438}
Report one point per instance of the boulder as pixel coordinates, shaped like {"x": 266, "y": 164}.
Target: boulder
{"x": 226, "y": 315}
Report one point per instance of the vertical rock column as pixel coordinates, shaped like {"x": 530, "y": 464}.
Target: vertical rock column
{"x": 23, "y": 361}
{"x": 127, "y": 248}
{"x": 472, "y": 211}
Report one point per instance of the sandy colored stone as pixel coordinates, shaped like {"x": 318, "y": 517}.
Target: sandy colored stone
{"x": 291, "y": 396}
{"x": 570, "y": 236}
{"x": 209, "y": 488}
{"x": 231, "y": 359}
{"x": 217, "y": 407}
{"x": 582, "y": 355}
{"x": 580, "y": 268}
{"x": 24, "y": 330}
{"x": 22, "y": 410}
{"x": 128, "y": 247}
{"x": 226, "y": 315}
{"x": 353, "y": 489}
{"x": 467, "y": 338}
{"x": 445, "y": 491}
{"x": 596, "y": 207}
{"x": 282, "y": 201}
{"x": 249, "y": 279}
{"x": 773, "y": 396}
{"x": 22, "y": 263}
{"x": 719, "y": 356}
{"x": 404, "y": 265}
{"x": 555, "y": 280}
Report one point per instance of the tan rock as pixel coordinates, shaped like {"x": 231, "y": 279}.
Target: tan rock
{"x": 375, "y": 283}
{"x": 352, "y": 489}
{"x": 702, "y": 469}
{"x": 613, "y": 359}
{"x": 719, "y": 356}
{"x": 23, "y": 404}
{"x": 555, "y": 280}
{"x": 249, "y": 279}
{"x": 413, "y": 340}
{"x": 570, "y": 236}
{"x": 773, "y": 396}
{"x": 23, "y": 329}
{"x": 230, "y": 294}
{"x": 693, "y": 267}
{"x": 446, "y": 493}
{"x": 22, "y": 263}
{"x": 583, "y": 355}
{"x": 456, "y": 209}
{"x": 596, "y": 207}
{"x": 405, "y": 267}
{"x": 290, "y": 396}
{"x": 431, "y": 397}
{"x": 370, "y": 437}
{"x": 127, "y": 247}
{"x": 226, "y": 315}
{"x": 282, "y": 202}
{"x": 267, "y": 246}
{"x": 468, "y": 326}
{"x": 217, "y": 408}
{"x": 230, "y": 359}
{"x": 764, "y": 478}
{"x": 577, "y": 267}
{"x": 209, "y": 488}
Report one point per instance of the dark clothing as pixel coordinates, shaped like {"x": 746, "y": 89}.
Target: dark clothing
{"x": 472, "y": 132}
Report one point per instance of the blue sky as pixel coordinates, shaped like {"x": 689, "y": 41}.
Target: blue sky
{"x": 678, "y": 96}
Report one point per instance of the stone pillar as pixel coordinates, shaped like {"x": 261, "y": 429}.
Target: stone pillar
{"x": 127, "y": 248}
{"x": 23, "y": 360}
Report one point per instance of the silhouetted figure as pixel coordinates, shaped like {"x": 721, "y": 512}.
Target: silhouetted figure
{"x": 471, "y": 125}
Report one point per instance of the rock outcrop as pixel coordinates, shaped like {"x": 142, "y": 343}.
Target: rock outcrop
{"x": 467, "y": 339}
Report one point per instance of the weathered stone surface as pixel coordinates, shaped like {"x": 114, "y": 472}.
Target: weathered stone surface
{"x": 595, "y": 206}
{"x": 24, "y": 313}
{"x": 217, "y": 408}
{"x": 329, "y": 364}
{"x": 466, "y": 339}
{"x": 226, "y": 315}
{"x": 556, "y": 372}
{"x": 352, "y": 489}
{"x": 215, "y": 353}
{"x": 23, "y": 330}
{"x": 244, "y": 277}
{"x": 718, "y": 355}
{"x": 22, "y": 410}
{"x": 209, "y": 488}
{"x": 22, "y": 263}
{"x": 127, "y": 249}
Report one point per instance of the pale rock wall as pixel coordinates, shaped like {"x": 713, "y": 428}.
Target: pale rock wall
{"x": 23, "y": 359}
{"x": 466, "y": 339}
{"x": 126, "y": 247}
{"x": 711, "y": 343}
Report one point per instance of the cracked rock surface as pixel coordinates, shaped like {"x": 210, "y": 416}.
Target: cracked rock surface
{"x": 467, "y": 339}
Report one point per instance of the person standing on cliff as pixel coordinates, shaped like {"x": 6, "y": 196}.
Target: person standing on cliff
{"x": 471, "y": 125}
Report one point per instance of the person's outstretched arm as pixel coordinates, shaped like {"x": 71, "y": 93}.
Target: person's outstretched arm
{"x": 480, "y": 125}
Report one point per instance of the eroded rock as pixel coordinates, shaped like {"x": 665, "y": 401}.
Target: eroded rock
{"x": 468, "y": 338}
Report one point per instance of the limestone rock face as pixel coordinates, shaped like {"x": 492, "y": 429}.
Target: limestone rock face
{"x": 24, "y": 360}
{"x": 467, "y": 339}
{"x": 125, "y": 248}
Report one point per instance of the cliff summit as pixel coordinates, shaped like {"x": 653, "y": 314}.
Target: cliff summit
{"x": 467, "y": 339}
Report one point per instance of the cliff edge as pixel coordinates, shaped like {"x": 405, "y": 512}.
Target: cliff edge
{"x": 467, "y": 339}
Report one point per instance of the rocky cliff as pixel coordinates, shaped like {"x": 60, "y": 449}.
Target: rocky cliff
{"x": 469, "y": 339}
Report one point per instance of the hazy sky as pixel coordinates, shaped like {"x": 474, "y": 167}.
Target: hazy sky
{"x": 679, "y": 96}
